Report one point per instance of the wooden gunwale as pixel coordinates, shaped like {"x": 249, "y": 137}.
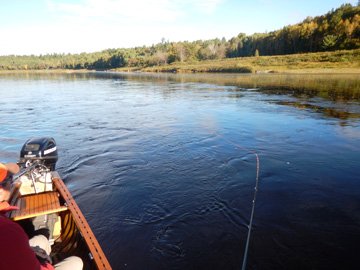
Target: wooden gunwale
{"x": 81, "y": 223}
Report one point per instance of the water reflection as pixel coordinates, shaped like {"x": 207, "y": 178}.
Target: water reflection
{"x": 340, "y": 89}
{"x": 335, "y": 87}
{"x": 312, "y": 91}
{"x": 325, "y": 111}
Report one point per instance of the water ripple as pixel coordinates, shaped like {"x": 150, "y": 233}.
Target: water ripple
{"x": 149, "y": 160}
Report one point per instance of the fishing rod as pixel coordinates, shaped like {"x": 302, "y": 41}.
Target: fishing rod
{"x": 256, "y": 188}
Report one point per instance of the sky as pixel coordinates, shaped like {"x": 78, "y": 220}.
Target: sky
{"x": 74, "y": 26}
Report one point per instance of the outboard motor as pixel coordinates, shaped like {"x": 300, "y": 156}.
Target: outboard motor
{"x": 38, "y": 158}
{"x": 39, "y": 150}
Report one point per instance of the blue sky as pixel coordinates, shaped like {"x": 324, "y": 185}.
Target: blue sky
{"x": 74, "y": 26}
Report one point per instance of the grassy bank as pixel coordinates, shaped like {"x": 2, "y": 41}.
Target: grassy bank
{"x": 323, "y": 62}
{"x": 347, "y": 61}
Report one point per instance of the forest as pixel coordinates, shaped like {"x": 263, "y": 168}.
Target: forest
{"x": 339, "y": 29}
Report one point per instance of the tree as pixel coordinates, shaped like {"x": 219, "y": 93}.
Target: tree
{"x": 180, "y": 52}
{"x": 117, "y": 60}
{"x": 329, "y": 42}
{"x": 338, "y": 29}
{"x": 159, "y": 58}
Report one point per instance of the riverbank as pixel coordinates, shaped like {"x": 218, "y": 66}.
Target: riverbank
{"x": 46, "y": 71}
{"x": 343, "y": 62}
{"x": 322, "y": 62}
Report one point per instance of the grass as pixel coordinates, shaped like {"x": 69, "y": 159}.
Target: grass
{"x": 322, "y": 62}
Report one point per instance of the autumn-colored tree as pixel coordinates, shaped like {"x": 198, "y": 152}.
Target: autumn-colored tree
{"x": 338, "y": 29}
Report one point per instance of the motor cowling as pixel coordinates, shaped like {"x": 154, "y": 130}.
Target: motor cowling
{"x": 42, "y": 150}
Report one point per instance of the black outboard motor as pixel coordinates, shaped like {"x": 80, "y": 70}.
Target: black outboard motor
{"x": 41, "y": 150}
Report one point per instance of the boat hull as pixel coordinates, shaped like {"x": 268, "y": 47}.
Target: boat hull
{"x": 73, "y": 237}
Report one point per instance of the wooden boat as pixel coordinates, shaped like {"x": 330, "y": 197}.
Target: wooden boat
{"x": 44, "y": 201}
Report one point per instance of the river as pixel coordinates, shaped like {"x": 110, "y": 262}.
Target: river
{"x": 163, "y": 165}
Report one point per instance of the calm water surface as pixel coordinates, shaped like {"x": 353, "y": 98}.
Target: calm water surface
{"x": 159, "y": 166}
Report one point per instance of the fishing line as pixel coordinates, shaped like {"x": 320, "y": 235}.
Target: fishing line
{"x": 254, "y": 198}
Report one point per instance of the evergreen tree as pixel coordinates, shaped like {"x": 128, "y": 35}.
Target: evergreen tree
{"x": 339, "y": 29}
{"x": 329, "y": 42}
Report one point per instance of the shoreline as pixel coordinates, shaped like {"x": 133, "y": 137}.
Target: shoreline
{"x": 180, "y": 71}
{"x": 341, "y": 62}
{"x": 268, "y": 71}
{"x": 46, "y": 71}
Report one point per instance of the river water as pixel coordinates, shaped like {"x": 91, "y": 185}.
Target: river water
{"x": 163, "y": 166}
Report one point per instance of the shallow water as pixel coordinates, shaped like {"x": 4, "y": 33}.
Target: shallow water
{"x": 163, "y": 169}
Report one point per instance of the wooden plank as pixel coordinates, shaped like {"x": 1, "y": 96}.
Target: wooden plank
{"x": 28, "y": 206}
{"x": 49, "y": 204}
{"x": 47, "y": 199}
{"x": 51, "y": 201}
{"x": 21, "y": 207}
{"x": 25, "y": 216}
{"x": 24, "y": 208}
{"x": 56, "y": 200}
{"x": 40, "y": 206}
{"x": 37, "y": 204}
{"x": 91, "y": 241}
{"x": 43, "y": 202}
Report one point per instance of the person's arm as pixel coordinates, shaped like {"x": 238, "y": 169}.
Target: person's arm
{"x": 15, "y": 251}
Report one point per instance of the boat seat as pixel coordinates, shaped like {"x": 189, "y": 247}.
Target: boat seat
{"x": 36, "y": 205}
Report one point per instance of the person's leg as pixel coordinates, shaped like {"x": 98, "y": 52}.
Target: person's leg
{"x": 70, "y": 263}
{"x": 42, "y": 242}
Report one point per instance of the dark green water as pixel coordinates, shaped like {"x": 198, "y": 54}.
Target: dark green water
{"x": 160, "y": 164}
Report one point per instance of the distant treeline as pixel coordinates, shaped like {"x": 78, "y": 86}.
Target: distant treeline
{"x": 337, "y": 30}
